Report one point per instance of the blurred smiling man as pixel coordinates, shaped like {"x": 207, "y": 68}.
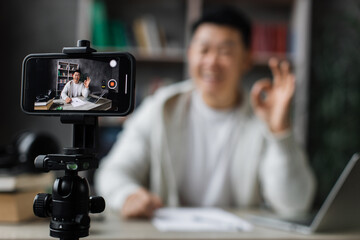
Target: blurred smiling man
{"x": 205, "y": 141}
{"x": 217, "y": 58}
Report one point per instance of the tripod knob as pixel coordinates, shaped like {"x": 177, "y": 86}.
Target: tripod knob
{"x": 83, "y": 220}
{"x": 41, "y": 205}
{"x": 97, "y": 204}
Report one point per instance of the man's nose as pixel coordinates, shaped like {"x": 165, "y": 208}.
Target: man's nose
{"x": 211, "y": 59}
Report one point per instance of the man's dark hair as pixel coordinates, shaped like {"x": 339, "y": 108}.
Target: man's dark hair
{"x": 227, "y": 16}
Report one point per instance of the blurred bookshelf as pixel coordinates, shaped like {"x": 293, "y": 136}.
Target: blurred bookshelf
{"x": 157, "y": 33}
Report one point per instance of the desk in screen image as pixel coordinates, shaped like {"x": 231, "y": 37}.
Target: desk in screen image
{"x": 103, "y": 104}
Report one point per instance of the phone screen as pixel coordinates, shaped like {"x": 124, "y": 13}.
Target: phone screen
{"x": 95, "y": 84}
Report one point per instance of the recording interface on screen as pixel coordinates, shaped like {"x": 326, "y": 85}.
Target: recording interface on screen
{"x": 79, "y": 84}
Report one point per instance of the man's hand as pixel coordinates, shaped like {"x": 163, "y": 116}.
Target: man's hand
{"x": 87, "y": 82}
{"x": 141, "y": 204}
{"x": 68, "y": 100}
{"x": 271, "y": 101}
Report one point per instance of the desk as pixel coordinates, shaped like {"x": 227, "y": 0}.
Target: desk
{"x": 103, "y": 104}
{"x": 112, "y": 227}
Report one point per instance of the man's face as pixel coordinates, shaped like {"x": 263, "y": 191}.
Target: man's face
{"x": 76, "y": 77}
{"x": 217, "y": 60}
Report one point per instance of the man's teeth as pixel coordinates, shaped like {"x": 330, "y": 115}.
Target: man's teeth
{"x": 210, "y": 78}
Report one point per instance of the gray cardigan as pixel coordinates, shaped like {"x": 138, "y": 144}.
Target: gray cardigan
{"x": 149, "y": 151}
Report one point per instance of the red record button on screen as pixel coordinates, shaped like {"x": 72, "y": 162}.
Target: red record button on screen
{"x": 112, "y": 84}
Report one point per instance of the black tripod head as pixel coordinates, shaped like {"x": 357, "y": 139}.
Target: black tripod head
{"x": 69, "y": 204}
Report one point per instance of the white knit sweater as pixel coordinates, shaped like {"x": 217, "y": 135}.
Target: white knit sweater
{"x": 72, "y": 89}
{"x": 150, "y": 152}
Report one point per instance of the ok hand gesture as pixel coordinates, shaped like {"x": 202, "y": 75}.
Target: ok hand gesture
{"x": 87, "y": 82}
{"x": 271, "y": 100}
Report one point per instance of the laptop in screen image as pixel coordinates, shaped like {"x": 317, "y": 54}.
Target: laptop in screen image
{"x": 339, "y": 212}
{"x": 96, "y": 99}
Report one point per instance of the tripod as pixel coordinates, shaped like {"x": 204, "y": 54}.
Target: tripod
{"x": 69, "y": 204}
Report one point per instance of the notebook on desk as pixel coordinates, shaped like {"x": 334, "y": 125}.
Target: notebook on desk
{"x": 339, "y": 212}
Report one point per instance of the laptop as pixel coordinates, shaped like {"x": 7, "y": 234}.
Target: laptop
{"x": 96, "y": 99}
{"x": 339, "y": 212}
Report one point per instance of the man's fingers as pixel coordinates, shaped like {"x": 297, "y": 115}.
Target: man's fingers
{"x": 149, "y": 204}
{"x": 290, "y": 84}
{"x": 281, "y": 72}
{"x": 260, "y": 92}
{"x": 141, "y": 204}
{"x": 285, "y": 68}
{"x": 152, "y": 203}
{"x": 275, "y": 70}
{"x": 134, "y": 207}
{"x": 156, "y": 202}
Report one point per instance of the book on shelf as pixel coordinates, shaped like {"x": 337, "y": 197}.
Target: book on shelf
{"x": 143, "y": 33}
{"x": 148, "y": 35}
{"x": 152, "y": 34}
{"x": 17, "y": 206}
{"x": 139, "y": 33}
{"x": 62, "y": 66}
{"x": 119, "y": 34}
{"x": 100, "y": 25}
{"x": 73, "y": 67}
{"x": 25, "y": 181}
{"x": 269, "y": 38}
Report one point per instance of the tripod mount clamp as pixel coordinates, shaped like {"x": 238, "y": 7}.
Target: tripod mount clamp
{"x": 81, "y": 156}
{"x": 83, "y": 47}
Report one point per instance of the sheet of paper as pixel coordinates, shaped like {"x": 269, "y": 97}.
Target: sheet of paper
{"x": 76, "y": 102}
{"x": 198, "y": 220}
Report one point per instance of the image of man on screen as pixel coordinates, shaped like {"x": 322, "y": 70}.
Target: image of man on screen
{"x": 75, "y": 88}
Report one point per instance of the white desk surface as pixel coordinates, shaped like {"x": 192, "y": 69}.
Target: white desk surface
{"x": 113, "y": 227}
{"x": 102, "y": 104}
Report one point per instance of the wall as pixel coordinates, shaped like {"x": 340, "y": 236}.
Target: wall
{"x": 98, "y": 72}
{"x": 334, "y": 108}
{"x": 36, "y": 26}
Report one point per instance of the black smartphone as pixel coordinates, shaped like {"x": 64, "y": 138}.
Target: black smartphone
{"x": 93, "y": 84}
